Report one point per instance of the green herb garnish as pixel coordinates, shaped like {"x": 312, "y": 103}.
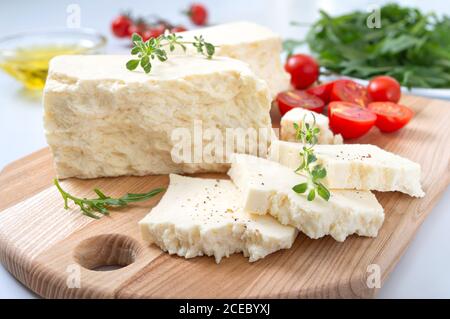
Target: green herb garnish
{"x": 307, "y": 135}
{"x": 411, "y": 46}
{"x": 155, "y": 48}
{"x": 91, "y": 207}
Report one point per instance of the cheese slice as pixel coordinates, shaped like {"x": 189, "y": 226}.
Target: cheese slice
{"x": 298, "y": 115}
{"x": 104, "y": 120}
{"x": 200, "y": 216}
{"x": 356, "y": 166}
{"x": 254, "y": 44}
{"x": 267, "y": 189}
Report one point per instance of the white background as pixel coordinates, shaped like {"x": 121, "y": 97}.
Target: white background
{"x": 424, "y": 270}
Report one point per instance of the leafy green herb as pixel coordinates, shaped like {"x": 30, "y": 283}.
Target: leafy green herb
{"x": 100, "y": 205}
{"x": 205, "y": 48}
{"x": 155, "y": 48}
{"x": 410, "y": 46}
{"x": 307, "y": 135}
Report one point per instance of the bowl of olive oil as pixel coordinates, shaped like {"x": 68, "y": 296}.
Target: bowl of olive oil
{"x": 25, "y": 56}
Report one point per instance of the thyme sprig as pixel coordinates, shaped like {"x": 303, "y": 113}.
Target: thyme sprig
{"x": 94, "y": 207}
{"x": 307, "y": 134}
{"x": 155, "y": 48}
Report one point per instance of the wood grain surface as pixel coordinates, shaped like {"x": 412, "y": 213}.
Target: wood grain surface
{"x": 61, "y": 254}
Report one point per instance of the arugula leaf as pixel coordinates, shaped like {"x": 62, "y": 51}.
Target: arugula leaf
{"x": 411, "y": 46}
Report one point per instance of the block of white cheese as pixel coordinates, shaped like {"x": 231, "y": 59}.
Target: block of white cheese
{"x": 198, "y": 216}
{"x": 356, "y": 166}
{"x": 254, "y": 44}
{"x": 298, "y": 115}
{"x": 267, "y": 189}
{"x": 104, "y": 120}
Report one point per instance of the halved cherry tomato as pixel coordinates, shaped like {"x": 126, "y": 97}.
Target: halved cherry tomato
{"x": 384, "y": 89}
{"x": 349, "y": 91}
{"x": 289, "y": 99}
{"x": 304, "y": 70}
{"x": 350, "y": 119}
{"x": 390, "y": 116}
{"x": 322, "y": 91}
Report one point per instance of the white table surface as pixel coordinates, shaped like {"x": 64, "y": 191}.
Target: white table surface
{"x": 423, "y": 271}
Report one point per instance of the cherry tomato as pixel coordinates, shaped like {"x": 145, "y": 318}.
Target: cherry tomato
{"x": 349, "y": 119}
{"x": 349, "y": 91}
{"x": 178, "y": 28}
{"x": 322, "y": 91}
{"x": 390, "y": 116}
{"x": 148, "y": 34}
{"x": 137, "y": 28}
{"x": 289, "y": 99}
{"x": 158, "y": 30}
{"x": 303, "y": 69}
{"x": 120, "y": 26}
{"x": 198, "y": 14}
{"x": 384, "y": 89}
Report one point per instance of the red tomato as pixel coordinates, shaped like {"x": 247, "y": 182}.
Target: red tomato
{"x": 178, "y": 28}
{"x": 322, "y": 91}
{"x": 137, "y": 28}
{"x": 384, "y": 89}
{"x": 148, "y": 34}
{"x": 390, "y": 116}
{"x": 120, "y": 26}
{"x": 303, "y": 69}
{"x": 349, "y": 91}
{"x": 289, "y": 99}
{"x": 158, "y": 30}
{"x": 198, "y": 14}
{"x": 350, "y": 119}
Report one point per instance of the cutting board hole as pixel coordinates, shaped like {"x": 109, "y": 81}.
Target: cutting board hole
{"x": 108, "y": 268}
{"x": 107, "y": 252}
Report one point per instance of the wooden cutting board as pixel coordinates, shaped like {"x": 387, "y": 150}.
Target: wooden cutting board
{"x": 61, "y": 253}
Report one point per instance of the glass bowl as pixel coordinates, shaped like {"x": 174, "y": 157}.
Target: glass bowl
{"x": 25, "y": 56}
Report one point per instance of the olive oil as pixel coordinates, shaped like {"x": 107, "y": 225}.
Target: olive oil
{"x": 30, "y": 65}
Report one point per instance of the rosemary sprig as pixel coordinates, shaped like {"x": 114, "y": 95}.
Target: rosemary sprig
{"x": 155, "y": 48}
{"x": 91, "y": 207}
{"x": 307, "y": 135}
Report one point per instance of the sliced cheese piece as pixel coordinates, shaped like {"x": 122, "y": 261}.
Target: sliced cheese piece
{"x": 267, "y": 189}
{"x": 356, "y": 166}
{"x": 254, "y": 44}
{"x": 297, "y": 115}
{"x": 104, "y": 120}
{"x": 200, "y": 216}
